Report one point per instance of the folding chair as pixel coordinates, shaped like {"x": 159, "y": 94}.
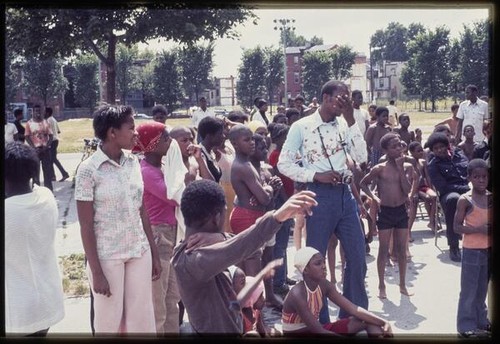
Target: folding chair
{"x": 440, "y": 219}
{"x": 421, "y": 211}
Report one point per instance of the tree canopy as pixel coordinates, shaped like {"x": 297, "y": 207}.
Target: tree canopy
{"x": 51, "y": 32}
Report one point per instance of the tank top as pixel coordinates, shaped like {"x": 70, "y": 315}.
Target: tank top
{"x": 292, "y": 321}
{"x": 212, "y": 165}
{"x": 475, "y": 218}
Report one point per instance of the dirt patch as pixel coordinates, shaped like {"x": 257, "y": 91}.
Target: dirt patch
{"x": 74, "y": 279}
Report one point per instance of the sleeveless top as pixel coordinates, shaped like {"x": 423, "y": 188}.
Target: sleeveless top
{"x": 475, "y": 218}
{"x": 292, "y": 321}
{"x": 212, "y": 165}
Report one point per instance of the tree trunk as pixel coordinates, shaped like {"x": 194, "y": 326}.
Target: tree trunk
{"x": 110, "y": 71}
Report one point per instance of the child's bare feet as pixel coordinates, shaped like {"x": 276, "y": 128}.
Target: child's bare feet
{"x": 405, "y": 291}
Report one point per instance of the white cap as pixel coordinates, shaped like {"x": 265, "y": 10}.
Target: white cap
{"x": 303, "y": 256}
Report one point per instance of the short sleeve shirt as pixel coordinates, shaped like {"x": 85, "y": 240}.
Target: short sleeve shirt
{"x": 474, "y": 114}
{"x": 361, "y": 116}
{"x": 10, "y": 131}
{"x": 116, "y": 191}
{"x": 54, "y": 127}
{"x": 39, "y": 132}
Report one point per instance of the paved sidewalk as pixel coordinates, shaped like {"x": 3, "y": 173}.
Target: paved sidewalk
{"x": 431, "y": 275}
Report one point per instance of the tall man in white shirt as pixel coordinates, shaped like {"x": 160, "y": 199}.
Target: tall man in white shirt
{"x": 323, "y": 140}
{"x": 55, "y": 143}
{"x": 393, "y": 114}
{"x": 361, "y": 116}
{"x": 201, "y": 112}
{"x": 472, "y": 111}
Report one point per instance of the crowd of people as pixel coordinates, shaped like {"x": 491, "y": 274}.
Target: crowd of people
{"x": 197, "y": 218}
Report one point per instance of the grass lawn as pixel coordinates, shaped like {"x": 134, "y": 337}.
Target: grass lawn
{"x": 73, "y": 131}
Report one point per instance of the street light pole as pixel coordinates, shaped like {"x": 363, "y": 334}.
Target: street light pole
{"x": 371, "y": 72}
{"x": 284, "y": 28}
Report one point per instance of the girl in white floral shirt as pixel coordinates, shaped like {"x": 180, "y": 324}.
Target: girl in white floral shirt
{"x": 117, "y": 238}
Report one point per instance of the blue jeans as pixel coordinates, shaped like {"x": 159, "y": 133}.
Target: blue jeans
{"x": 337, "y": 212}
{"x": 449, "y": 204}
{"x": 282, "y": 238}
{"x": 472, "y": 311}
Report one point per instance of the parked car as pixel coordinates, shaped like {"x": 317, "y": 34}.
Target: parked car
{"x": 142, "y": 116}
{"x": 222, "y": 112}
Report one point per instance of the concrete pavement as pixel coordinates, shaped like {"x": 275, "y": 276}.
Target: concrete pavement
{"x": 431, "y": 275}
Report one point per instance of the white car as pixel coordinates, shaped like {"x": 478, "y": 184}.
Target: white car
{"x": 142, "y": 116}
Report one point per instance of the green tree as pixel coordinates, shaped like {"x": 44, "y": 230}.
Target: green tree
{"x": 196, "y": 66}
{"x": 396, "y": 36}
{"x": 86, "y": 82}
{"x": 50, "y": 32}
{"x": 342, "y": 59}
{"x": 126, "y": 71}
{"x": 392, "y": 43}
{"x": 44, "y": 77}
{"x": 474, "y": 62}
{"x": 455, "y": 70}
{"x": 316, "y": 41}
{"x": 274, "y": 72}
{"x": 167, "y": 79}
{"x": 251, "y": 76}
{"x": 294, "y": 40}
{"x": 427, "y": 70}
{"x": 12, "y": 67}
{"x": 315, "y": 72}
{"x": 145, "y": 76}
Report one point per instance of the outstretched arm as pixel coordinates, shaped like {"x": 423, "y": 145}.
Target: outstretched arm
{"x": 248, "y": 289}
{"x": 206, "y": 262}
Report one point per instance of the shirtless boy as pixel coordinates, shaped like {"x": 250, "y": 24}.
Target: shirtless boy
{"x": 392, "y": 181}
{"x": 252, "y": 196}
{"x": 468, "y": 144}
{"x": 452, "y": 121}
{"x": 256, "y": 158}
{"x": 405, "y": 134}
{"x": 375, "y": 132}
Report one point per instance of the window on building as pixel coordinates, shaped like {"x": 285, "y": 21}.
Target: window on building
{"x": 381, "y": 83}
{"x": 296, "y": 59}
{"x": 296, "y": 78}
{"x": 393, "y": 71}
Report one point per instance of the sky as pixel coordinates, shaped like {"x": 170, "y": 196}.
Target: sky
{"x": 346, "y": 26}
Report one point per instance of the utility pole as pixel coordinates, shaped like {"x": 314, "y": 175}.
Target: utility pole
{"x": 232, "y": 90}
{"x": 284, "y": 30}
{"x": 371, "y": 73}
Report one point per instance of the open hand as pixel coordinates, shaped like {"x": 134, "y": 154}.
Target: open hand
{"x": 299, "y": 203}
{"x": 269, "y": 269}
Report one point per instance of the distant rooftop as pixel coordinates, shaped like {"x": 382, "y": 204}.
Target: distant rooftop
{"x": 322, "y": 47}
{"x": 294, "y": 50}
